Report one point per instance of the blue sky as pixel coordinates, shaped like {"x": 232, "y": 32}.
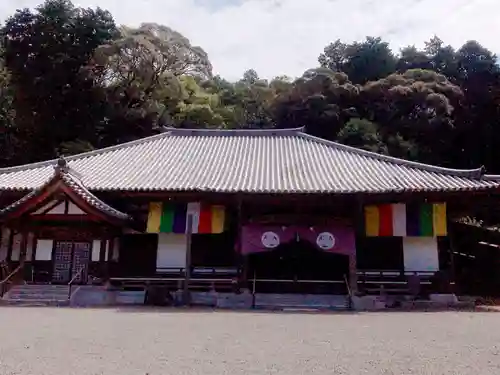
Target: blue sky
{"x": 278, "y": 37}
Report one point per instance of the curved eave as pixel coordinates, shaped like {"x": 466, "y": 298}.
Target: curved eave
{"x": 248, "y": 161}
{"x": 479, "y": 185}
{"x": 63, "y": 183}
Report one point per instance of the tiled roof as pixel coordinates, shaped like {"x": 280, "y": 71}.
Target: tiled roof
{"x": 251, "y": 161}
{"x": 76, "y": 186}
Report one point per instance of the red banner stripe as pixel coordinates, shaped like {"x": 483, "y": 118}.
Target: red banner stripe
{"x": 205, "y": 225}
{"x": 385, "y": 217}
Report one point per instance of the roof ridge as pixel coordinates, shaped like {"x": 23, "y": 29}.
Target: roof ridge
{"x": 166, "y": 133}
{"x": 468, "y": 173}
{"x": 239, "y": 132}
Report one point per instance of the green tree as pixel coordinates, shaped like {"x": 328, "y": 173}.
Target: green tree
{"x": 417, "y": 107}
{"x": 321, "y": 100}
{"x": 142, "y": 75}
{"x": 48, "y": 54}
{"x": 10, "y": 142}
{"x": 478, "y": 140}
{"x": 364, "y": 134}
{"x": 411, "y": 58}
{"x": 364, "y": 61}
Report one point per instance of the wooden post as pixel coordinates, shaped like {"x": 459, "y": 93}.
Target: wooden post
{"x": 23, "y": 253}
{"x": 187, "y": 272}
{"x": 102, "y": 260}
{"x": 452, "y": 261}
{"x": 10, "y": 245}
{"x": 359, "y": 232}
{"x": 242, "y": 259}
{"x": 353, "y": 273}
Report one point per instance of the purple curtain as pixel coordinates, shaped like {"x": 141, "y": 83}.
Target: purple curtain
{"x": 256, "y": 238}
{"x": 334, "y": 237}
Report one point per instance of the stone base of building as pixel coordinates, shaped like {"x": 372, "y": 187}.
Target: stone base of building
{"x": 435, "y": 302}
{"x": 91, "y": 296}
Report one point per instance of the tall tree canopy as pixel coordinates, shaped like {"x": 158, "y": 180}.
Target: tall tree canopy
{"x": 48, "y": 54}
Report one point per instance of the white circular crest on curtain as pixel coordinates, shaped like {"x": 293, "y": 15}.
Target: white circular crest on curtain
{"x": 325, "y": 241}
{"x": 270, "y": 239}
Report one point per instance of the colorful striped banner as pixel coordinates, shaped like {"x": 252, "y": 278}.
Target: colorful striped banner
{"x": 400, "y": 220}
{"x": 439, "y": 219}
{"x": 172, "y": 218}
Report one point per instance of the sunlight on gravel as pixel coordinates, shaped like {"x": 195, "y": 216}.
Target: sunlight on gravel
{"x": 51, "y": 341}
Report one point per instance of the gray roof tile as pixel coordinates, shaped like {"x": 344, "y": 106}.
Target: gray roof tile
{"x": 77, "y": 187}
{"x": 252, "y": 161}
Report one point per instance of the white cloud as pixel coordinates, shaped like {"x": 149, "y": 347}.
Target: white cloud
{"x": 286, "y": 36}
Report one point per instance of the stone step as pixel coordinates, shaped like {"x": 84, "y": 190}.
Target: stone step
{"x": 30, "y": 292}
{"x": 37, "y": 295}
{"x": 27, "y": 290}
{"x": 36, "y": 302}
{"x": 40, "y": 287}
{"x": 23, "y": 290}
{"x": 300, "y": 302}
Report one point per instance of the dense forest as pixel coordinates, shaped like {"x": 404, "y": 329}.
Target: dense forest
{"x": 71, "y": 80}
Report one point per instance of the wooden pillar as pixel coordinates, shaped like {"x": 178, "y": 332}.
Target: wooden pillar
{"x": 12, "y": 233}
{"x": 353, "y": 276}
{"x": 102, "y": 260}
{"x": 32, "y": 260}
{"x": 23, "y": 250}
{"x": 359, "y": 231}
{"x": 242, "y": 260}
{"x": 451, "y": 249}
{"x": 187, "y": 273}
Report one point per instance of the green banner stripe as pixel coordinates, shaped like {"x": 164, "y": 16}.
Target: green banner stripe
{"x": 167, "y": 219}
{"x": 426, "y": 220}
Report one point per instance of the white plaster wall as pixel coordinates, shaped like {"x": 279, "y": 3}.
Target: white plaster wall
{"x": 171, "y": 250}
{"x": 59, "y": 209}
{"x": 113, "y": 250}
{"x": 44, "y": 249}
{"x": 73, "y": 209}
{"x": 420, "y": 254}
{"x": 96, "y": 250}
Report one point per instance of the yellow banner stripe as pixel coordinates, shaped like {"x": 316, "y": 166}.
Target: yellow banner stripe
{"x": 372, "y": 221}
{"x": 154, "y": 217}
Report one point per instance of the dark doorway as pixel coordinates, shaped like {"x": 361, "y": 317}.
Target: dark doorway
{"x": 299, "y": 266}
{"x": 137, "y": 255}
{"x": 71, "y": 260}
{"x": 476, "y": 261}
{"x": 213, "y": 250}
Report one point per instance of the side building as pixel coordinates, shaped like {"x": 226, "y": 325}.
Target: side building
{"x": 264, "y": 211}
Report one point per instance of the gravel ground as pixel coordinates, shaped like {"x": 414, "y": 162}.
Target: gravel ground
{"x": 42, "y": 341}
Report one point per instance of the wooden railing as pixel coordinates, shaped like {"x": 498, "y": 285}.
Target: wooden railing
{"x": 394, "y": 282}
{"x": 73, "y": 279}
{"x": 4, "y": 282}
{"x": 174, "y": 278}
{"x": 349, "y": 292}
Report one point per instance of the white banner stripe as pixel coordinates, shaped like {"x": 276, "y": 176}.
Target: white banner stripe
{"x": 399, "y": 219}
